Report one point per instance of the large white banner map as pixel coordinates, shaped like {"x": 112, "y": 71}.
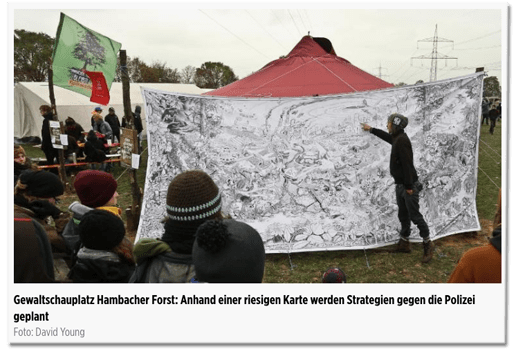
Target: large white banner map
{"x": 303, "y": 173}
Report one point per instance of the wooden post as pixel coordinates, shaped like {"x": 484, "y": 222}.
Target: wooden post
{"x": 133, "y": 214}
{"x": 60, "y": 152}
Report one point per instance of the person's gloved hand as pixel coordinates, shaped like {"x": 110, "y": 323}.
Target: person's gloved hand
{"x": 42, "y": 209}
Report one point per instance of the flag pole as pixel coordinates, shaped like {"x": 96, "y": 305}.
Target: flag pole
{"x": 133, "y": 213}
{"x": 60, "y": 152}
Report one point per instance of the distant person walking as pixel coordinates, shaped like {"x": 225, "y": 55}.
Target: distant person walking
{"x": 493, "y": 115}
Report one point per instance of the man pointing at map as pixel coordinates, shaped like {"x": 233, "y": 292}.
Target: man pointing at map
{"x": 407, "y": 184}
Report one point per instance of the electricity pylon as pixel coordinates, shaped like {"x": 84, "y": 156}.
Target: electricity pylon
{"x": 380, "y": 71}
{"x": 434, "y": 56}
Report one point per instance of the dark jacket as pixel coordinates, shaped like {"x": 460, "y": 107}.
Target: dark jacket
{"x": 33, "y": 261}
{"x": 76, "y": 131}
{"x": 97, "y": 266}
{"x": 113, "y": 121}
{"x": 402, "y": 159}
{"x": 138, "y": 119}
{"x": 493, "y": 114}
{"x": 94, "y": 149}
{"x": 46, "y": 141}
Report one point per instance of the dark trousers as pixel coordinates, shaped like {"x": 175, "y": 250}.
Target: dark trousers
{"x": 485, "y": 117}
{"x": 493, "y": 125}
{"x": 408, "y": 210}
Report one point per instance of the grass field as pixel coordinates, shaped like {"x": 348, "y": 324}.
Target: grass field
{"x": 374, "y": 265}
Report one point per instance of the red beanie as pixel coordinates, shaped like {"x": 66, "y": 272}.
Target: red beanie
{"x": 95, "y": 188}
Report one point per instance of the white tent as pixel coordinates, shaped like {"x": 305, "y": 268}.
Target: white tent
{"x": 29, "y": 96}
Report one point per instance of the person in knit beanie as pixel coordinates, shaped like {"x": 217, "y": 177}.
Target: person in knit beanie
{"x": 106, "y": 255}
{"x": 21, "y": 162}
{"x": 95, "y": 189}
{"x": 192, "y": 198}
{"x": 35, "y": 196}
{"x": 228, "y": 251}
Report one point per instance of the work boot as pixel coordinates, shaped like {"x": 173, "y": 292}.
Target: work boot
{"x": 428, "y": 251}
{"x": 403, "y": 246}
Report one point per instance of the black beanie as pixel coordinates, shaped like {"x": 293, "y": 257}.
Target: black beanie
{"x": 41, "y": 184}
{"x": 101, "y": 230}
{"x": 228, "y": 251}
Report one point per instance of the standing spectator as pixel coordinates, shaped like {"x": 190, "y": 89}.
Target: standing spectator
{"x": 96, "y": 112}
{"x": 46, "y": 140}
{"x": 228, "y": 251}
{"x": 96, "y": 190}
{"x": 106, "y": 255}
{"x": 72, "y": 128}
{"x": 192, "y": 199}
{"x": 485, "y": 111}
{"x": 493, "y": 115}
{"x": 35, "y": 195}
{"x": 407, "y": 185}
{"x": 113, "y": 121}
{"x": 21, "y": 162}
{"x": 137, "y": 121}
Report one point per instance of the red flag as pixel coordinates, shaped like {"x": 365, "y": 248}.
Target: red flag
{"x": 99, "y": 89}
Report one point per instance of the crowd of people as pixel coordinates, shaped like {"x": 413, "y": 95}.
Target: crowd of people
{"x": 200, "y": 244}
{"x": 92, "y": 145}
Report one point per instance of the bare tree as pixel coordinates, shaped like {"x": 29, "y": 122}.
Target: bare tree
{"x": 188, "y": 74}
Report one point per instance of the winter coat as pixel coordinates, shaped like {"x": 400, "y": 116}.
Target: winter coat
{"x": 157, "y": 263}
{"x": 481, "y": 264}
{"x": 76, "y": 131}
{"x": 99, "y": 266}
{"x": 137, "y": 119}
{"x": 49, "y": 217}
{"x": 402, "y": 159}
{"x": 494, "y": 114}
{"x": 104, "y": 128}
{"x": 19, "y": 168}
{"x": 46, "y": 140}
{"x": 94, "y": 149}
{"x": 33, "y": 260}
{"x": 71, "y": 230}
{"x": 113, "y": 121}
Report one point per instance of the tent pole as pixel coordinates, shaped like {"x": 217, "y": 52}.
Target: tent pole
{"x": 60, "y": 152}
{"x": 133, "y": 214}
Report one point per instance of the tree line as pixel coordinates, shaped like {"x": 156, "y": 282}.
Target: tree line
{"x": 33, "y": 58}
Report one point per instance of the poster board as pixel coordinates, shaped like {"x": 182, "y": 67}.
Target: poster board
{"x": 128, "y": 146}
{"x": 304, "y": 174}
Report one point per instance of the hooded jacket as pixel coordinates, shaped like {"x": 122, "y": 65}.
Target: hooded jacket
{"x": 97, "y": 266}
{"x": 402, "y": 158}
{"x": 481, "y": 264}
{"x": 157, "y": 263}
{"x": 71, "y": 230}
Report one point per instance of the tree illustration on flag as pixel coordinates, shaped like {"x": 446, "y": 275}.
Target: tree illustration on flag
{"x": 80, "y": 53}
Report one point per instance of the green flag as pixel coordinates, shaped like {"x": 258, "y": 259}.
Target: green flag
{"x": 79, "y": 49}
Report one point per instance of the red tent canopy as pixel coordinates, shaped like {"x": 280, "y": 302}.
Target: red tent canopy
{"x": 311, "y": 68}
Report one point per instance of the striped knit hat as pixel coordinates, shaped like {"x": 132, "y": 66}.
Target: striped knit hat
{"x": 193, "y": 196}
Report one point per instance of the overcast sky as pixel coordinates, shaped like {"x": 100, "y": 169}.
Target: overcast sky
{"x": 380, "y": 41}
